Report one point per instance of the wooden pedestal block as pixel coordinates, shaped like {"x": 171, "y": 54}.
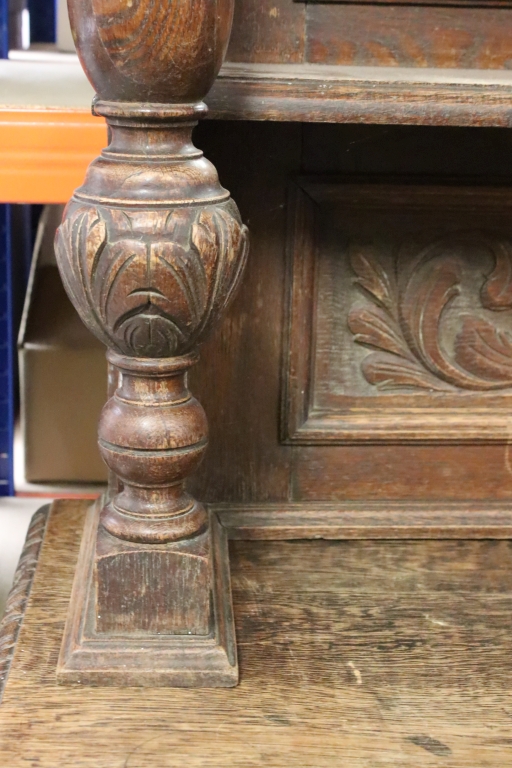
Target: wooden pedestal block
{"x": 142, "y": 615}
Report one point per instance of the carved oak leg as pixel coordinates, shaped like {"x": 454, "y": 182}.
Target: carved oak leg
{"x": 151, "y": 249}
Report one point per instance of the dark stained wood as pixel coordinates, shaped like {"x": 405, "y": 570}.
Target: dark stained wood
{"x": 246, "y": 349}
{"x": 151, "y": 251}
{"x": 238, "y": 378}
{"x": 409, "y": 36}
{"x": 442, "y": 3}
{"x": 468, "y": 34}
{"x": 184, "y": 631}
{"x": 400, "y": 314}
{"x": 389, "y": 95}
{"x": 397, "y": 153}
{"x": 388, "y": 654}
{"x": 152, "y": 466}
{"x": 449, "y": 480}
{"x": 367, "y": 520}
{"x": 245, "y": 460}
{"x": 271, "y": 31}
{"x": 433, "y": 473}
{"x": 130, "y": 50}
{"x": 401, "y": 351}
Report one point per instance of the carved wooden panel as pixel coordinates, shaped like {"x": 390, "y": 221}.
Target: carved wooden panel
{"x": 400, "y": 323}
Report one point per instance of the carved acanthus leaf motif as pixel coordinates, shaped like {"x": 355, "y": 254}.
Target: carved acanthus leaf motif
{"x": 94, "y": 231}
{"x": 407, "y": 335}
{"x": 70, "y": 244}
{"x": 213, "y": 233}
{"x": 387, "y": 371}
{"x": 372, "y": 277}
{"x": 480, "y": 347}
{"x": 374, "y": 328}
{"x": 496, "y": 292}
{"x": 150, "y": 283}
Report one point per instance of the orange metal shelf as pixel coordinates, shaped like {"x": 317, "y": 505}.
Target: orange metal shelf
{"x": 44, "y": 153}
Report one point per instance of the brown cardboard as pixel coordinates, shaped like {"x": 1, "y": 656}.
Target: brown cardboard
{"x": 63, "y": 378}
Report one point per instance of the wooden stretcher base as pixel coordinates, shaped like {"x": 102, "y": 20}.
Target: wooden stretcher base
{"x": 389, "y": 654}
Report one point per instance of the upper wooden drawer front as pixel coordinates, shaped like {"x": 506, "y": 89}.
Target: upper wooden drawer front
{"x": 466, "y": 34}
{"x": 458, "y": 3}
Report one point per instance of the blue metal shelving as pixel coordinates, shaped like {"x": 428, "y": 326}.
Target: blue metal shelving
{"x": 6, "y": 317}
{"x": 4, "y": 28}
{"x": 42, "y": 21}
{"x": 7, "y": 347}
{"x": 12, "y": 285}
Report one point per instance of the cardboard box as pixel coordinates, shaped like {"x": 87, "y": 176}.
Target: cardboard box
{"x": 63, "y": 376}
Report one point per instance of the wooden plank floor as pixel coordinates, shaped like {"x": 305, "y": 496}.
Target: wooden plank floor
{"x": 353, "y": 654}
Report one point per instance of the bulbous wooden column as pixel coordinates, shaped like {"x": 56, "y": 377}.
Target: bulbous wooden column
{"x": 151, "y": 249}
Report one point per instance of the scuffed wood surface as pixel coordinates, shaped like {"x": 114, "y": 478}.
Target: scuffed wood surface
{"x": 388, "y": 95}
{"x": 394, "y": 33}
{"x": 346, "y": 520}
{"x": 361, "y": 654}
{"x": 408, "y": 35}
{"x": 278, "y": 92}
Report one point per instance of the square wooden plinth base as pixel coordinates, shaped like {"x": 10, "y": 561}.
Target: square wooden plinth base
{"x": 126, "y": 654}
{"x": 357, "y": 654}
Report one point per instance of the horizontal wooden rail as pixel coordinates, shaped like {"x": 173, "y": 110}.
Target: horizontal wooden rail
{"x": 322, "y": 93}
{"x": 48, "y": 135}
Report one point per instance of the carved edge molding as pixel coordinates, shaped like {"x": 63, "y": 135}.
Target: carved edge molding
{"x": 303, "y": 424}
{"x": 12, "y": 620}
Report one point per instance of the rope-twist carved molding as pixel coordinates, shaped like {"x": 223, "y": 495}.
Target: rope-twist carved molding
{"x": 18, "y": 597}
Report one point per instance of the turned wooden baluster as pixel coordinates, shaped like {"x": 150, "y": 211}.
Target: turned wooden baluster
{"x": 151, "y": 249}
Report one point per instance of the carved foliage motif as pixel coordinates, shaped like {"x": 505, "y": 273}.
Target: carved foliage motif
{"x": 149, "y": 283}
{"x": 405, "y": 322}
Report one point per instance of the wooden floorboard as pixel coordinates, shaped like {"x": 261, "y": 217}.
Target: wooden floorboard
{"x": 356, "y": 654}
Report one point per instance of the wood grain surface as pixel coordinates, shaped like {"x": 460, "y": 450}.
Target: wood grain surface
{"x": 346, "y": 520}
{"x": 151, "y": 250}
{"x": 246, "y": 464}
{"x": 441, "y": 3}
{"x": 388, "y": 95}
{"x": 49, "y": 136}
{"x": 151, "y": 50}
{"x": 245, "y": 350}
{"x": 268, "y": 31}
{"x": 366, "y": 655}
{"x": 380, "y": 346}
{"x": 409, "y": 36}
{"x": 415, "y": 33}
